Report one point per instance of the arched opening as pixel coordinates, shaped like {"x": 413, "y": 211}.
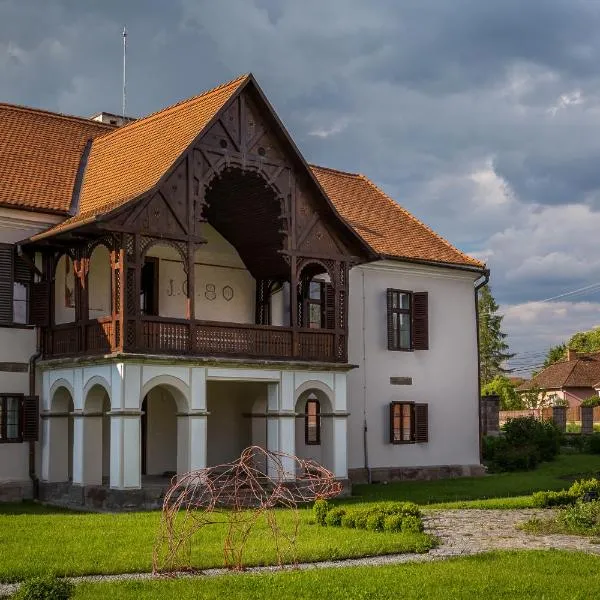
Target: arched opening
{"x": 164, "y": 435}
{"x": 99, "y": 283}
{"x": 64, "y": 291}
{"x": 316, "y": 298}
{"x": 237, "y": 418}
{"x": 59, "y": 445}
{"x": 96, "y": 436}
{"x": 314, "y": 427}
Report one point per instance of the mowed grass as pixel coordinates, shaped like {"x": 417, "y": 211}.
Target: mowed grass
{"x": 490, "y": 491}
{"x": 532, "y": 575}
{"x": 36, "y": 540}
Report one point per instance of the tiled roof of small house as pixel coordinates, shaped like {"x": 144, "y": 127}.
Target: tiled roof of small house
{"x": 583, "y": 371}
{"x": 40, "y": 152}
{"x": 387, "y": 227}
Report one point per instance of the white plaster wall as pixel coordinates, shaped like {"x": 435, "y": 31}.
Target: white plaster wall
{"x": 224, "y": 288}
{"x": 99, "y": 283}
{"x": 229, "y": 432}
{"x": 16, "y": 345}
{"x": 64, "y": 308}
{"x": 161, "y": 445}
{"x": 445, "y": 376}
{"x": 18, "y": 225}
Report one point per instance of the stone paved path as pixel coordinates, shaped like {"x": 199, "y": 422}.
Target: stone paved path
{"x": 461, "y": 532}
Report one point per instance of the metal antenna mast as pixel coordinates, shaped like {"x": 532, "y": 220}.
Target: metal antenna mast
{"x": 124, "y": 70}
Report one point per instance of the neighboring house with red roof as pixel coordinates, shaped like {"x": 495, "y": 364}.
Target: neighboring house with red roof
{"x": 186, "y": 285}
{"x": 573, "y": 379}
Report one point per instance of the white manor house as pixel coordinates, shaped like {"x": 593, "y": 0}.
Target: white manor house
{"x": 176, "y": 288}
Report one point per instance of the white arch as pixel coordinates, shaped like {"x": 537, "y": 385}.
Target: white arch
{"x": 181, "y": 390}
{"x": 312, "y": 385}
{"x": 93, "y": 381}
{"x": 56, "y": 386}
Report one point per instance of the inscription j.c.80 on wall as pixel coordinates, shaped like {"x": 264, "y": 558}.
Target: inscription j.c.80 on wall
{"x": 209, "y": 291}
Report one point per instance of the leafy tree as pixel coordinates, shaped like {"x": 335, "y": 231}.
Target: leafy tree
{"x": 493, "y": 350}
{"x": 582, "y": 341}
{"x": 535, "y": 398}
{"x": 503, "y": 387}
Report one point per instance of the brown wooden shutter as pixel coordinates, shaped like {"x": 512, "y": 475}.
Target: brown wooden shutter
{"x": 6, "y": 283}
{"x": 390, "y": 320}
{"x": 30, "y": 418}
{"x": 420, "y": 321}
{"x": 23, "y": 273}
{"x": 329, "y": 306}
{"x": 39, "y": 304}
{"x": 421, "y": 423}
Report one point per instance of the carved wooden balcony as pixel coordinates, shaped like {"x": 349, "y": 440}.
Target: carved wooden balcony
{"x": 169, "y": 336}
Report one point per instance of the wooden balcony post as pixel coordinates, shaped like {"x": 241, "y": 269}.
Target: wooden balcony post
{"x": 191, "y": 294}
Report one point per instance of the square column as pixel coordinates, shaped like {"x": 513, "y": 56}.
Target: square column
{"x": 55, "y": 447}
{"x": 340, "y": 446}
{"x": 192, "y": 437}
{"x": 87, "y": 449}
{"x": 281, "y": 430}
{"x": 125, "y": 450}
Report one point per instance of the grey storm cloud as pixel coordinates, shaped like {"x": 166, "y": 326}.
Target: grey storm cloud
{"x": 481, "y": 117}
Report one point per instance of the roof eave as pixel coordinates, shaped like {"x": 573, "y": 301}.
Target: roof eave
{"x": 435, "y": 263}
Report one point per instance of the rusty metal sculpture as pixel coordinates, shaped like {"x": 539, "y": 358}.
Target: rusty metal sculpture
{"x": 238, "y": 494}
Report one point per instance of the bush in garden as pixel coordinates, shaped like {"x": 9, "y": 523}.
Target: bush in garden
{"x": 45, "y": 588}
{"x": 411, "y": 524}
{"x": 501, "y": 455}
{"x": 360, "y": 519}
{"x": 334, "y": 517}
{"x": 581, "y": 517}
{"x": 320, "y": 509}
{"x": 545, "y": 436}
{"x": 348, "y": 520}
{"x": 593, "y": 443}
{"x": 393, "y": 523}
{"x": 375, "y": 521}
{"x": 566, "y": 497}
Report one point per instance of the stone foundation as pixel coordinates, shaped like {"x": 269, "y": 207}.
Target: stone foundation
{"x": 16, "y": 491}
{"x": 394, "y": 474}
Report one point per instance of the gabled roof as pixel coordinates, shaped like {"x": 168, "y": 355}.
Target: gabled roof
{"x": 40, "y": 152}
{"x": 584, "y": 371}
{"x": 387, "y": 227}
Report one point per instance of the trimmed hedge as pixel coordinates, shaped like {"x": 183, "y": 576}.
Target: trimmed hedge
{"x": 566, "y": 497}
{"x": 45, "y": 588}
{"x": 384, "y": 516}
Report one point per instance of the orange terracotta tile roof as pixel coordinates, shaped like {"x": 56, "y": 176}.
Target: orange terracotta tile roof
{"x": 130, "y": 160}
{"x": 584, "y": 371}
{"x": 387, "y": 227}
{"x": 40, "y": 153}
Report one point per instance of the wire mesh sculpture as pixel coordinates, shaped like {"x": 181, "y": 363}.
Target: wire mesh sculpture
{"x": 238, "y": 494}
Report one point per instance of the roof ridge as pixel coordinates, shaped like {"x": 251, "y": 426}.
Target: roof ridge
{"x": 330, "y": 169}
{"x": 416, "y": 220}
{"x": 150, "y": 117}
{"x": 43, "y": 111}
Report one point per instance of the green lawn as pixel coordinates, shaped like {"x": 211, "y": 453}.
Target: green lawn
{"x": 489, "y": 491}
{"x": 532, "y": 575}
{"x": 36, "y": 540}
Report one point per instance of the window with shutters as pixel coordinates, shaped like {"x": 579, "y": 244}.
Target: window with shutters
{"x": 320, "y": 305}
{"x": 407, "y": 320}
{"x": 16, "y": 279}
{"x": 10, "y": 418}
{"x": 409, "y": 423}
{"x": 312, "y": 421}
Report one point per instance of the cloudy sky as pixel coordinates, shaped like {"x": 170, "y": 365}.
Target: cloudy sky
{"x": 481, "y": 117}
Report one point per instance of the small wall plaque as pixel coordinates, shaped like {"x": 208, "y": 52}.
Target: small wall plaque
{"x": 400, "y": 380}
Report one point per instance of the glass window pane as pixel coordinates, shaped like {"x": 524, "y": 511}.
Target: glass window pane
{"x": 19, "y": 303}
{"x": 315, "y": 290}
{"x": 404, "y": 330}
{"x": 314, "y": 315}
{"x": 13, "y": 410}
{"x": 404, "y": 301}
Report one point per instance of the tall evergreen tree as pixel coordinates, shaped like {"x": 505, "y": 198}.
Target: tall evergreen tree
{"x": 493, "y": 350}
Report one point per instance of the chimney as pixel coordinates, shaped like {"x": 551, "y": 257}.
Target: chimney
{"x": 571, "y": 354}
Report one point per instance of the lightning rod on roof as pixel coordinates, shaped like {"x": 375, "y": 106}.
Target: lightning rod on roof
{"x": 124, "y": 70}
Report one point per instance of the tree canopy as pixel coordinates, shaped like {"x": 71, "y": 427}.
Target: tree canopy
{"x": 504, "y": 388}
{"x": 493, "y": 350}
{"x": 582, "y": 341}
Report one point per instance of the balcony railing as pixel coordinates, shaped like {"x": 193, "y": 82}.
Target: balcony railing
{"x": 163, "y": 335}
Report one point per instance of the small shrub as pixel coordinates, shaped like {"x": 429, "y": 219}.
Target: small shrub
{"x": 580, "y": 487}
{"x": 412, "y": 524}
{"x": 527, "y": 431}
{"x": 375, "y": 522}
{"x": 360, "y": 519}
{"x": 348, "y": 520}
{"x": 45, "y": 588}
{"x": 320, "y": 510}
{"x": 577, "y": 443}
{"x": 548, "y": 499}
{"x": 508, "y": 457}
{"x": 393, "y": 523}
{"x": 581, "y": 517}
{"x": 591, "y": 401}
{"x": 334, "y": 517}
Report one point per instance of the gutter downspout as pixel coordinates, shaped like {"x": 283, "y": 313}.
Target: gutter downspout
{"x": 364, "y": 374}
{"x": 478, "y": 286}
{"x": 32, "y": 361}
